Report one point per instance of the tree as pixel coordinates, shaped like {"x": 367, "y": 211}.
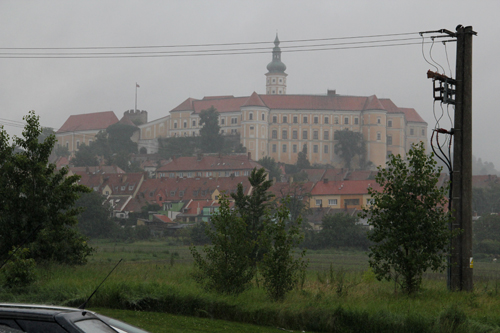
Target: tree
{"x": 36, "y": 201}
{"x": 95, "y": 220}
{"x": 270, "y": 164}
{"x": 340, "y": 230}
{"x": 119, "y": 138}
{"x": 349, "y": 145}
{"x": 252, "y": 208}
{"x": 410, "y": 226}
{"x": 211, "y": 139}
{"x": 226, "y": 266}
{"x": 302, "y": 161}
{"x": 85, "y": 156}
{"x": 280, "y": 267}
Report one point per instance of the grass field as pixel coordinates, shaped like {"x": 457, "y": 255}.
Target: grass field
{"x": 338, "y": 294}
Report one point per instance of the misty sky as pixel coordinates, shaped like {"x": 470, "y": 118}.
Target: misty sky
{"x": 58, "y": 88}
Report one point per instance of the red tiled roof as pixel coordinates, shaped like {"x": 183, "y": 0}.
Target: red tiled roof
{"x": 169, "y": 189}
{"x": 254, "y": 100}
{"x": 126, "y": 121}
{"x": 484, "y": 181}
{"x": 89, "y": 121}
{"x": 109, "y": 169}
{"x": 412, "y": 115}
{"x": 344, "y": 187}
{"x": 390, "y": 106}
{"x": 281, "y": 190}
{"x": 163, "y": 218}
{"x": 210, "y": 163}
{"x": 372, "y": 103}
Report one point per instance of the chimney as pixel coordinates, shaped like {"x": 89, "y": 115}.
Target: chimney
{"x": 249, "y": 155}
{"x": 325, "y": 181}
{"x": 330, "y": 92}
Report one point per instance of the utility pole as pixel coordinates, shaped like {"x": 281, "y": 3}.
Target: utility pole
{"x": 461, "y": 254}
{"x": 458, "y": 92}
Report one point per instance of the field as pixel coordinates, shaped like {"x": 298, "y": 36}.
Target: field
{"x": 339, "y": 293}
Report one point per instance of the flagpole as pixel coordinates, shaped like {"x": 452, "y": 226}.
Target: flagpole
{"x": 136, "y": 85}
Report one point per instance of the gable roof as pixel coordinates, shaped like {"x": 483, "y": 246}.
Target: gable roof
{"x": 89, "y": 121}
{"x": 344, "y": 187}
{"x": 210, "y": 163}
{"x": 412, "y": 115}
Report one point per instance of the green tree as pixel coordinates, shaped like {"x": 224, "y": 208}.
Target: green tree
{"x": 226, "y": 266}
{"x": 119, "y": 138}
{"x": 253, "y": 208}
{"x": 85, "y": 156}
{"x": 178, "y": 146}
{"x": 94, "y": 221}
{"x": 36, "y": 201}
{"x": 211, "y": 139}
{"x": 62, "y": 151}
{"x": 349, "y": 144}
{"x": 410, "y": 227}
{"x": 270, "y": 164}
{"x": 340, "y": 230}
{"x": 280, "y": 267}
{"x": 302, "y": 161}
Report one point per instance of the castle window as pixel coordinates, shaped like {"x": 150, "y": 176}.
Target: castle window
{"x": 263, "y": 117}
{"x": 250, "y": 116}
{"x": 389, "y": 139}
{"x": 304, "y": 135}
{"x": 77, "y": 144}
{"x": 284, "y": 134}
{"x": 315, "y": 148}
{"x": 305, "y": 120}
{"x": 336, "y": 120}
{"x": 389, "y": 123}
{"x": 285, "y": 119}
{"x": 315, "y": 135}
{"x": 356, "y": 121}
{"x": 234, "y": 120}
{"x": 379, "y": 136}
{"x": 379, "y": 121}
{"x": 326, "y": 120}
{"x": 194, "y": 124}
{"x": 294, "y": 147}
{"x": 326, "y": 135}
{"x": 346, "y": 121}
{"x": 274, "y": 134}
{"x": 274, "y": 80}
{"x": 185, "y": 124}
{"x": 275, "y": 119}
{"x": 423, "y": 132}
{"x": 325, "y": 149}
{"x": 284, "y": 148}
{"x": 412, "y": 132}
{"x": 295, "y": 120}
{"x": 281, "y": 80}
{"x": 274, "y": 148}
{"x": 294, "y": 134}
{"x": 175, "y": 124}
{"x": 316, "y": 120}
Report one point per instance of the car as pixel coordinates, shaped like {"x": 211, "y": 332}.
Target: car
{"x": 34, "y": 318}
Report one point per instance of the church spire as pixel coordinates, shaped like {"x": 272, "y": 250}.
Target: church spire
{"x": 276, "y": 76}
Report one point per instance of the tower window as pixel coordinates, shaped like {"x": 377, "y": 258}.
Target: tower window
{"x": 274, "y": 80}
{"x": 263, "y": 117}
{"x": 379, "y": 136}
{"x": 389, "y": 139}
{"x": 281, "y": 80}
{"x": 325, "y": 149}
{"x": 222, "y": 121}
{"x": 389, "y": 123}
{"x": 326, "y": 135}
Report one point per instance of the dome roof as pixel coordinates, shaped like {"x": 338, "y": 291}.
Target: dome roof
{"x": 276, "y": 66}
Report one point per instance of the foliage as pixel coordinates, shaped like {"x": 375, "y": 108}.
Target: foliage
{"x": 212, "y": 140}
{"x": 232, "y": 144}
{"x": 410, "y": 227}
{"x": 349, "y": 144}
{"x": 37, "y": 202}
{"x": 20, "y": 271}
{"x": 85, "y": 156}
{"x": 486, "y": 234}
{"x": 178, "y": 146}
{"x": 226, "y": 266}
{"x": 340, "y": 230}
{"x": 62, "y": 151}
{"x": 270, "y": 164}
{"x": 119, "y": 138}
{"x": 252, "y": 208}
{"x": 94, "y": 221}
{"x": 198, "y": 234}
{"x": 302, "y": 161}
{"x": 486, "y": 200}
{"x": 279, "y": 267}
{"x": 295, "y": 197}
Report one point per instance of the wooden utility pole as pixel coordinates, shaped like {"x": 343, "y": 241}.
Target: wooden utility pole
{"x": 461, "y": 253}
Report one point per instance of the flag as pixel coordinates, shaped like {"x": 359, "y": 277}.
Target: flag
{"x": 137, "y": 86}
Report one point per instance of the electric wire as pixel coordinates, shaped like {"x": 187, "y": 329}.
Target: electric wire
{"x": 423, "y": 54}
{"x": 430, "y": 55}
{"x": 448, "y": 60}
{"x": 206, "y": 45}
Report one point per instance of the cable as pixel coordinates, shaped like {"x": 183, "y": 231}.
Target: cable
{"x": 167, "y": 55}
{"x": 203, "y": 45}
{"x": 448, "y": 60}
{"x": 430, "y": 55}
{"x": 423, "y": 54}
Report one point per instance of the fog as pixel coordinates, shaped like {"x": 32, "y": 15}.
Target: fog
{"x": 57, "y": 88}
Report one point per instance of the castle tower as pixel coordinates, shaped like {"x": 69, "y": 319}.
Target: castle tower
{"x": 276, "y": 76}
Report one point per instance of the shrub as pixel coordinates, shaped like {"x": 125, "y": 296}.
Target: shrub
{"x": 19, "y": 272}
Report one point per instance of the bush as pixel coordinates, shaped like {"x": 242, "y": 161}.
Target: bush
{"x": 19, "y": 272}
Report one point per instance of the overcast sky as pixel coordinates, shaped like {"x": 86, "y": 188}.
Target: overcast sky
{"x": 58, "y": 88}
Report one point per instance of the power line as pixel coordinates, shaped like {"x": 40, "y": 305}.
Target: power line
{"x": 166, "y": 55}
{"x": 205, "y": 45}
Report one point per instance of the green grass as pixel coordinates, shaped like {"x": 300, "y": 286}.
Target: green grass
{"x": 156, "y": 322}
{"x": 150, "y": 284}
